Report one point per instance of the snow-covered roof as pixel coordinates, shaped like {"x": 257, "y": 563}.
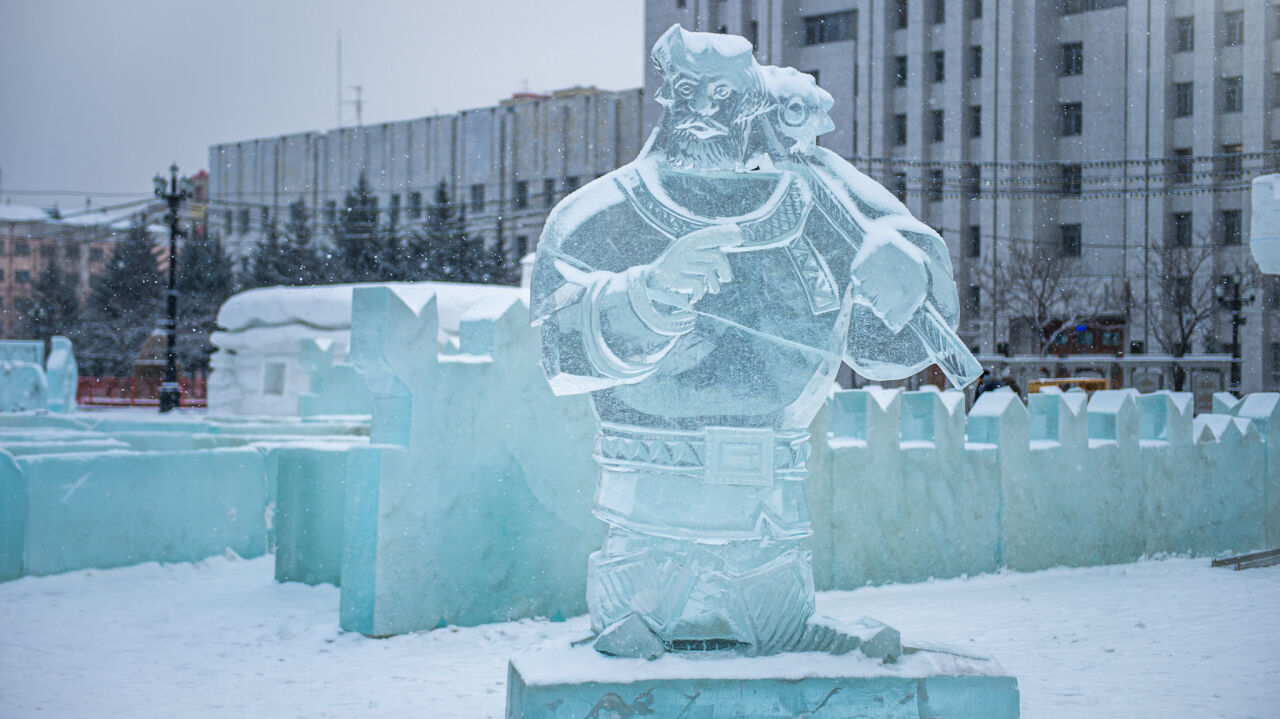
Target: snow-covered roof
{"x": 328, "y": 307}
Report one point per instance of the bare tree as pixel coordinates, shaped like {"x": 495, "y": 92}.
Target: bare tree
{"x": 1039, "y": 287}
{"x": 1184, "y": 302}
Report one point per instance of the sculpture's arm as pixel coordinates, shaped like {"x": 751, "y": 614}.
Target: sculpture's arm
{"x": 600, "y": 329}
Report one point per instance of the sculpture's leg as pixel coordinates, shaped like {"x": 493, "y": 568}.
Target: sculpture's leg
{"x": 752, "y": 596}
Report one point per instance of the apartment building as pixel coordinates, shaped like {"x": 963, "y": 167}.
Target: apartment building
{"x": 504, "y": 166}
{"x": 1098, "y": 130}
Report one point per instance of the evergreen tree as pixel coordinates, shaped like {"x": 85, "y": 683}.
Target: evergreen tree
{"x": 359, "y": 245}
{"x": 440, "y": 251}
{"x": 122, "y": 307}
{"x": 55, "y": 308}
{"x": 267, "y": 263}
{"x": 204, "y": 282}
{"x": 303, "y": 262}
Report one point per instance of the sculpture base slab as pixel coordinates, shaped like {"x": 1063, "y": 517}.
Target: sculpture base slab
{"x": 923, "y": 684}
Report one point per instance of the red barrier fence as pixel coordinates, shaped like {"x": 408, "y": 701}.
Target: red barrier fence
{"x": 137, "y": 391}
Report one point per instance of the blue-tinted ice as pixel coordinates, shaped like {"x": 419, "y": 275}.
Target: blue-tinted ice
{"x": 705, "y": 295}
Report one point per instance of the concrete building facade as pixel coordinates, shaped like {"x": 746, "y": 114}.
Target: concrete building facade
{"x": 505, "y": 166}
{"x": 1099, "y": 130}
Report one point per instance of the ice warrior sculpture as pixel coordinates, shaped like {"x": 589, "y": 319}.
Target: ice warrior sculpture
{"x": 704, "y": 295}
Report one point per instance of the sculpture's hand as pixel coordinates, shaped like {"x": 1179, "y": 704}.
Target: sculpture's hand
{"x": 890, "y": 276}
{"x": 692, "y": 266}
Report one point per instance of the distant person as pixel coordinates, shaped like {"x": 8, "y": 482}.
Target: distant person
{"x": 1011, "y": 383}
{"x": 986, "y": 382}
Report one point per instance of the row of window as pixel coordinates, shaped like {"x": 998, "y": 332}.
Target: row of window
{"x": 1229, "y": 229}
{"x": 22, "y": 248}
{"x": 240, "y": 220}
{"x": 839, "y": 26}
{"x": 1231, "y": 31}
{"x": 1230, "y": 95}
{"x": 973, "y": 125}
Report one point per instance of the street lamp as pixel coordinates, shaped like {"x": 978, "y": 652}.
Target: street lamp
{"x": 1232, "y": 297}
{"x": 170, "y": 392}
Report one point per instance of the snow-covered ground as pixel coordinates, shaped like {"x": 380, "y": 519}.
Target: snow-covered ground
{"x": 1170, "y": 638}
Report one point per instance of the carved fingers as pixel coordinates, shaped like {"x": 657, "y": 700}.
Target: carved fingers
{"x": 693, "y": 266}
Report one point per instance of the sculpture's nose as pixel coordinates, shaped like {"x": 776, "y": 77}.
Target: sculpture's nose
{"x": 702, "y": 102}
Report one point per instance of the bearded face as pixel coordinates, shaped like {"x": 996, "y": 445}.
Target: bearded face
{"x": 702, "y": 119}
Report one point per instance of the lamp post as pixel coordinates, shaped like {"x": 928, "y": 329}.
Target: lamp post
{"x": 1233, "y": 298}
{"x": 170, "y": 192}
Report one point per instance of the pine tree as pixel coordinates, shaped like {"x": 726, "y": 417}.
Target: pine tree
{"x": 439, "y": 252}
{"x": 267, "y": 262}
{"x": 55, "y": 308}
{"x": 303, "y": 264}
{"x": 122, "y": 307}
{"x": 204, "y": 282}
{"x": 359, "y": 247}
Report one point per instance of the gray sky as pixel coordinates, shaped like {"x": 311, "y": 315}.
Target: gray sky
{"x": 99, "y": 96}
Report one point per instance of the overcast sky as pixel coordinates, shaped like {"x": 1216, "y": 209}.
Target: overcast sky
{"x": 98, "y": 96}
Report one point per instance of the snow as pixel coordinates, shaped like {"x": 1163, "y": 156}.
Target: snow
{"x": 219, "y": 638}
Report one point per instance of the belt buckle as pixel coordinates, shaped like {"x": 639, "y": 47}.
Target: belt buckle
{"x": 739, "y": 456}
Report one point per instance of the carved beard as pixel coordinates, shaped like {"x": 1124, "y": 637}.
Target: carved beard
{"x": 690, "y": 152}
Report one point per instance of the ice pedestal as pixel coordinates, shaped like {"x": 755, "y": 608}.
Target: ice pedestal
{"x": 924, "y": 683}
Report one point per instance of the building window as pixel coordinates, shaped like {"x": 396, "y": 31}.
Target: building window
{"x": 1070, "y": 235}
{"x": 973, "y": 302}
{"x": 1184, "y": 34}
{"x": 753, "y": 32}
{"x": 975, "y": 61}
{"x": 832, "y": 27}
{"x": 974, "y": 244}
{"x": 899, "y": 129}
{"x": 1073, "y": 58}
{"x": 1183, "y": 103}
{"x": 1229, "y": 227}
{"x": 900, "y": 185}
{"x": 1229, "y": 162}
{"x": 264, "y": 217}
{"x": 571, "y": 183}
{"x": 939, "y": 11}
{"x": 22, "y": 277}
{"x": 273, "y": 378}
{"x": 900, "y": 14}
{"x": 975, "y": 121}
{"x": 477, "y": 198}
{"x": 71, "y": 252}
{"x": 900, "y": 71}
{"x": 21, "y": 248}
{"x": 228, "y": 221}
{"x": 680, "y": 4}
{"x": 415, "y": 205}
{"x": 975, "y": 9}
{"x": 331, "y": 212}
{"x": 1233, "y": 28}
{"x": 522, "y": 246}
{"x": 1181, "y": 229}
{"x": 1182, "y": 164}
{"x": 393, "y": 212}
{"x": 1, "y": 275}
{"x": 939, "y": 66}
{"x": 972, "y": 181}
{"x": 1275, "y": 89}
{"x": 244, "y": 220}
{"x": 548, "y": 192}
{"x": 47, "y": 252}
{"x": 1072, "y": 180}
{"x": 1232, "y": 94}
{"x": 1073, "y": 7}
{"x": 1072, "y": 118}
{"x": 934, "y": 190}
{"x": 96, "y": 254}
{"x": 521, "y": 199}
{"x": 939, "y": 119}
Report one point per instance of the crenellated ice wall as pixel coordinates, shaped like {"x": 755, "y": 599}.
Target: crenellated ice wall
{"x": 466, "y": 496}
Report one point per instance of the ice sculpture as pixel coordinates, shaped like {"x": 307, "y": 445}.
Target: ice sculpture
{"x": 704, "y": 295}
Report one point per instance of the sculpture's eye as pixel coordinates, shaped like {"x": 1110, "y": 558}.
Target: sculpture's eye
{"x": 721, "y": 92}
{"x": 685, "y": 88}
{"x": 793, "y": 113}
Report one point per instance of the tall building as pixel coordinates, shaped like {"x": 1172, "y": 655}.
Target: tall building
{"x": 504, "y": 166}
{"x": 1100, "y": 132}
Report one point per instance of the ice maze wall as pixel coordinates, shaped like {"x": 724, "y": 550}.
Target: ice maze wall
{"x": 469, "y": 499}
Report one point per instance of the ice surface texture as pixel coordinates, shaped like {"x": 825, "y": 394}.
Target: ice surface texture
{"x": 705, "y": 295}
